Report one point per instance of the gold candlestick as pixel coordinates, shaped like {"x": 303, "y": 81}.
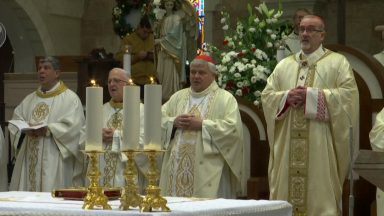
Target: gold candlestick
{"x": 95, "y": 195}
{"x": 130, "y": 197}
{"x": 153, "y": 199}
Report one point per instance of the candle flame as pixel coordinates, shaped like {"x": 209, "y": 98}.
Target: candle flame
{"x": 131, "y": 83}
{"x": 152, "y": 80}
{"x": 93, "y": 82}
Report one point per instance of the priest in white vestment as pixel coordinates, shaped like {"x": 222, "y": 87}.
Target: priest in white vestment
{"x": 113, "y": 163}
{"x": 377, "y": 137}
{"x": 3, "y": 164}
{"x": 49, "y": 157}
{"x": 203, "y": 135}
{"x": 293, "y": 40}
{"x": 307, "y": 127}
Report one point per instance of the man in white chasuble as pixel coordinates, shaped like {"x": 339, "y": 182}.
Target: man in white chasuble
{"x": 3, "y": 163}
{"x": 376, "y": 137}
{"x": 203, "y": 135}
{"x": 112, "y": 163}
{"x": 49, "y": 157}
{"x": 305, "y": 104}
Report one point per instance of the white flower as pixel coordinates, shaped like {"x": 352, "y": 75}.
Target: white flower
{"x": 269, "y": 44}
{"x": 223, "y": 86}
{"x": 246, "y": 83}
{"x": 237, "y": 75}
{"x": 240, "y": 43}
{"x": 224, "y": 69}
{"x": 285, "y": 37}
{"x": 235, "y": 37}
{"x": 256, "y": 20}
{"x": 269, "y": 31}
{"x": 240, "y": 84}
{"x": 252, "y": 29}
{"x": 117, "y": 21}
{"x": 239, "y": 93}
{"x": 223, "y": 54}
{"x": 253, "y": 61}
{"x": 274, "y": 20}
{"x": 233, "y": 68}
{"x": 277, "y": 45}
{"x": 241, "y": 35}
{"x": 244, "y": 51}
{"x": 277, "y": 16}
{"x": 253, "y": 79}
{"x": 225, "y": 27}
{"x": 269, "y": 21}
{"x": 225, "y": 59}
{"x": 253, "y": 45}
{"x": 245, "y": 60}
{"x": 222, "y": 20}
{"x": 257, "y": 93}
{"x": 273, "y": 36}
{"x": 225, "y": 78}
{"x": 256, "y": 103}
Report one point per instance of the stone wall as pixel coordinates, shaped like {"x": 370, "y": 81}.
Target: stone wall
{"x": 361, "y": 19}
{"x": 96, "y": 27}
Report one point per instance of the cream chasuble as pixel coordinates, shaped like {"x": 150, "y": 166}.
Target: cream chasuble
{"x": 47, "y": 163}
{"x": 376, "y": 137}
{"x": 206, "y": 163}
{"x": 112, "y": 163}
{"x": 3, "y": 163}
{"x": 309, "y": 145}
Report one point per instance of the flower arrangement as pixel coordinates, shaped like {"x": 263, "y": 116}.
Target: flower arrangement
{"x": 249, "y": 52}
{"x": 121, "y": 10}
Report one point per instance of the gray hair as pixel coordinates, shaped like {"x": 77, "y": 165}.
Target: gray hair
{"x": 55, "y": 63}
{"x": 321, "y": 26}
{"x": 211, "y": 66}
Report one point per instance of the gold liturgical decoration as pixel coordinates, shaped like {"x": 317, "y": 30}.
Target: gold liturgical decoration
{"x": 95, "y": 195}
{"x": 153, "y": 199}
{"x": 130, "y": 197}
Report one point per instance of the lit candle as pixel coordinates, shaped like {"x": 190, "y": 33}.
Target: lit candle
{"x": 94, "y": 119}
{"x": 131, "y": 117}
{"x": 280, "y": 55}
{"x": 127, "y": 59}
{"x": 152, "y": 116}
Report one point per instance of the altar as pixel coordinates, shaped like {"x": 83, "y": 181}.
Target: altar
{"x": 40, "y": 203}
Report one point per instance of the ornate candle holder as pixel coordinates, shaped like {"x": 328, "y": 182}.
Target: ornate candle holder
{"x": 153, "y": 199}
{"x": 95, "y": 195}
{"x": 130, "y": 197}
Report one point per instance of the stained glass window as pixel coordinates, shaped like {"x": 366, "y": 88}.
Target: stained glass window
{"x": 199, "y": 5}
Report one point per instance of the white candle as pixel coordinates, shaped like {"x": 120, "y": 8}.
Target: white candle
{"x": 94, "y": 118}
{"x": 127, "y": 49}
{"x": 152, "y": 116}
{"x": 131, "y": 117}
{"x": 280, "y": 54}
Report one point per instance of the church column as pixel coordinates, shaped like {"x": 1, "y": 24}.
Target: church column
{"x": 211, "y": 6}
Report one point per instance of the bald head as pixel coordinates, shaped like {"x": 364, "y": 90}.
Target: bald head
{"x": 117, "y": 79}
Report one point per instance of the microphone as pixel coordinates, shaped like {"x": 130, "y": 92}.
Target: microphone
{"x": 351, "y": 197}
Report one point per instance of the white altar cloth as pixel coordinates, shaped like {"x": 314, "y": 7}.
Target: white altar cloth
{"x": 37, "y": 203}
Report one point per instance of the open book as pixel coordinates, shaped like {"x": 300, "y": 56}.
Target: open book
{"x": 22, "y": 125}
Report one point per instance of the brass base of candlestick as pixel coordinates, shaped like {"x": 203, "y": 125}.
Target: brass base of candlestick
{"x": 130, "y": 197}
{"x": 95, "y": 195}
{"x": 153, "y": 199}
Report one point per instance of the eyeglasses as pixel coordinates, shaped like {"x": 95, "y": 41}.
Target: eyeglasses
{"x": 299, "y": 16}
{"x": 308, "y": 30}
{"x": 115, "y": 80}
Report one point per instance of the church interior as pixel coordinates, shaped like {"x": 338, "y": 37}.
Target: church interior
{"x": 78, "y": 32}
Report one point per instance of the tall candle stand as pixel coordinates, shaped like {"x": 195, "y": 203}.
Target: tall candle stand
{"x": 95, "y": 195}
{"x": 130, "y": 197}
{"x": 153, "y": 199}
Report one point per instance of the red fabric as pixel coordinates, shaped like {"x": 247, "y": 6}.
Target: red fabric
{"x": 286, "y": 106}
{"x": 205, "y": 57}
